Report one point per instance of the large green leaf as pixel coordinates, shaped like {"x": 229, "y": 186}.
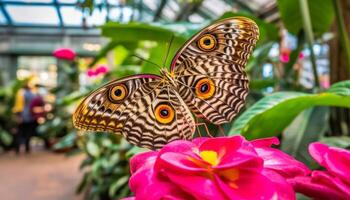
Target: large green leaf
{"x": 306, "y": 128}
{"x": 272, "y": 114}
{"x": 321, "y": 14}
{"x": 134, "y": 32}
{"x": 337, "y": 141}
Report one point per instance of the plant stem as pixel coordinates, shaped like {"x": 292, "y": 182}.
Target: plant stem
{"x": 343, "y": 34}
{"x": 304, "y": 8}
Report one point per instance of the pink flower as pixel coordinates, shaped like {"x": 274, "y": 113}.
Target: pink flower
{"x": 284, "y": 57}
{"x": 214, "y": 168}
{"x": 101, "y": 69}
{"x": 91, "y": 72}
{"x": 64, "y": 54}
{"x": 334, "y": 183}
{"x": 301, "y": 55}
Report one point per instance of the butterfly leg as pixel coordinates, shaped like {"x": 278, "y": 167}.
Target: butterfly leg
{"x": 221, "y": 130}
{"x": 206, "y": 128}
{"x": 197, "y": 129}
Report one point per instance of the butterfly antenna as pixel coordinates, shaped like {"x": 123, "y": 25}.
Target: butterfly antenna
{"x": 168, "y": 51}
{"x": 145, "y": 60}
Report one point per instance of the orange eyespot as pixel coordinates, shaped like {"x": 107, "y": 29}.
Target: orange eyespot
{"x": 118, "y": 93}
{"x": 164, "y": 113}
{"x": 207, "y": 42}
{"x": 205, "y": 88}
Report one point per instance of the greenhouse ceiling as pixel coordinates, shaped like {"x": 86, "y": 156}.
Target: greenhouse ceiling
{"x": 77, "y": 14}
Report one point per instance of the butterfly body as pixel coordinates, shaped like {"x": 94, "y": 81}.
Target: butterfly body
{"x": 206, "y": 78}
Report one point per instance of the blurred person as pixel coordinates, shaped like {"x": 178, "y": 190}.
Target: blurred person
{"x": 27, "y": 109}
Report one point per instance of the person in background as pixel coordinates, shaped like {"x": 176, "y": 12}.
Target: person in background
{"x": 26, "y": 102}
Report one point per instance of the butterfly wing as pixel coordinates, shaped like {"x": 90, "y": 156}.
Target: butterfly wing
{"x": 209, "y": 69}
{"x": 147, "y": 111}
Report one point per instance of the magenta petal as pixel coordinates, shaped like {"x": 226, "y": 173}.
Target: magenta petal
{"x": 281, "y": 162}
{"x": 128, "y": 198}
{"x": 182, "y": 146}
{"x": 200, "y": 187}
{"x": 143, "y": 160}
{"x": 147, "y": 185}
{"x": 178, "y": 162}
{"x": 222, "y": 145}
{"x": 231, "y": 150}
{"x": 246, "y": 183}
{"x": 338, "y": 163}
{"x": 315, "y": 190}
{"x": 283, "y": 189}
{"x": 265, "y": 142}
{"x": 317, "y": 150}
{"x": 241, "y": 161}
{"x": 199, "y": 140}
{"x": 325, "y": 178}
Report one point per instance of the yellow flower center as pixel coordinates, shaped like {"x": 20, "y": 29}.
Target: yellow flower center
{"x": 210, "y": 157}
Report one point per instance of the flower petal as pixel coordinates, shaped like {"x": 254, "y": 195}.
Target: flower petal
{"x": 143, "y": 160}
{"x": 317, "y": 150}
{"x": 284, "y": 191}
{"x": 325, "y": 178}
{"x": 265, "y": 142}
{"x": 201, "y": 187}
{"x": 244, "y": 185}
{"x": 338, "y": 162}
{"x": 282, "y": 163}
{"x": 147, "y": 185}
{"x": 306, "y": 186}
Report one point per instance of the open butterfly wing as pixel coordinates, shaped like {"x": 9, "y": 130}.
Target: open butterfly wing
{"x": 209, "y": 68}
{"x": 142, "y": 108}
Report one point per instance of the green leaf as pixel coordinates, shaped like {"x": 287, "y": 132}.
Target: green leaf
{"x": 93, "y": 149}
{"x": 117, "y": 185}
{"x": 306, "y": 128}
{"x": 103, "y": 52}
{"x": 131, "y": 32}
{"x": 66, "y": 142}
{"x": 5, "y": 137}
{"x": 321, "y": 14}
{"x": 262, "y": 83}
{"x": 337, "y": 141}
{"x": 135, "y": 150}
{"x": 273, "y": 113}
{"x": 83, "y": 183}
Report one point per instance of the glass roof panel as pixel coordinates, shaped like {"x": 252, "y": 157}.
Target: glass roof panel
{"x": 259, "y": 4}
{"x": 2, "y": 18}
{"x": 32, "y": 15}
{"x": 67, "y": 1}
{"x": 151, "y": 4}
{"x": 97, "y": 18}
{"x": 114, "y": 2}
{"x": 29, "y": 1}
{"x": 71, "y": 16}
{"x": 120, "y": 14}
{"x": 216, "y": 7}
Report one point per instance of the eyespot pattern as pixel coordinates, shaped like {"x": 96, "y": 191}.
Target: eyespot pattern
{"x": 207, "y": 42}
{"x": 118, "y": 93}
{"x": 204, "y": 88}
{"x": 164, "y": 113}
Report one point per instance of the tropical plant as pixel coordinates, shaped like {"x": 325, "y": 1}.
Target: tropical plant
{"x": 106, "y": 166}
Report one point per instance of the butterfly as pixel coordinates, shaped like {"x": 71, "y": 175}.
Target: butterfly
{"x": 206, "y": 78}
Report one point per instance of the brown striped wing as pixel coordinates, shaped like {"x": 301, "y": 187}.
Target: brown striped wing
{"x": 134, "y": 116}
{"x": 223, "y": 65}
